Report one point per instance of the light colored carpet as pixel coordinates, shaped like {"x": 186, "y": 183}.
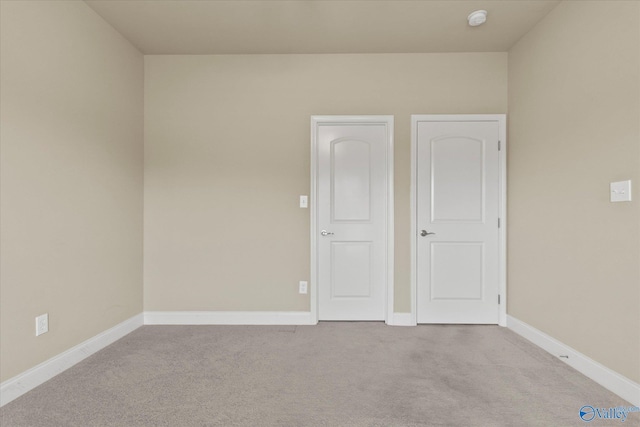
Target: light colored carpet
{"x": 332, "y": 374}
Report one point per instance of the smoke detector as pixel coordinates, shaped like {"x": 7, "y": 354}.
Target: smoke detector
{"x": 478, "y": 17}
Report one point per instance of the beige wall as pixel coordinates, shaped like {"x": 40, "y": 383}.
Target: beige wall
{"x": 227, "y": 154}
{"x": 574, "y": 127}
{"x": 71, "y": 178}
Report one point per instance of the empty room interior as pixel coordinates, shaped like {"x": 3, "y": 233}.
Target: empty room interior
{"x": 359, "y": 213}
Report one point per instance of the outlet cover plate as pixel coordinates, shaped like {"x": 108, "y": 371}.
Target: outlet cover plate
{"x": 42, "y": 324}
{"x": 303, "y": 287}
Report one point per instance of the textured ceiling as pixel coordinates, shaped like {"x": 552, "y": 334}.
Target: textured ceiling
{"x": 307, "y": 26}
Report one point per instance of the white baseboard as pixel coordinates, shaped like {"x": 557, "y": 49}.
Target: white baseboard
{"x": 228, "y": 318}
{"x": 30, "y": 379}
{"x": 400, "y": 319}
{"x": 609, "y": 379}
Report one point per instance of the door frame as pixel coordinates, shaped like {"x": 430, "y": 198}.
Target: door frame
{"x": 316, "y": 121}
{"x": 502, "y": 201}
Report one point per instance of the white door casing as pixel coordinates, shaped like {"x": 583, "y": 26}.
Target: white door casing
{"x": 352, "y": 202}
{"x": 458, "y": 193}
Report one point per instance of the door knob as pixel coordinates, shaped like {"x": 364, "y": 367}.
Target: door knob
{"x": 425, "y": 233}
{"x": 326, "y": 233}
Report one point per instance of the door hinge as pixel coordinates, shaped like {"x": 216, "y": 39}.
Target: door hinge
{"x": 498, "y": 299}
{"x": 499, "y": 145}
{"x": 498, "y": 222}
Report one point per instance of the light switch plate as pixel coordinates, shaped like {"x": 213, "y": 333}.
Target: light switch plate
{"x": 304, "y": 201}
{"x": 621, "y": 191}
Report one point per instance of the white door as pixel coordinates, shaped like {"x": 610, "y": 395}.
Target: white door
{"x": 352, "y": 214}
{"x": 457, "y": 214}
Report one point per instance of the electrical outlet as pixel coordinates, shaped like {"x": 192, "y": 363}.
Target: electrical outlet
{"x": 42, "y": 324}
{"x": 303, "y": 287}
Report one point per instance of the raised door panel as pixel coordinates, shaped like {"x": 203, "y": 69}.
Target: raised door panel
{"x": 457, "y": 179}
{"x": 457, "y": 271}
{"x": 351, "y": 269}
{"x": 350, "y": 180}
